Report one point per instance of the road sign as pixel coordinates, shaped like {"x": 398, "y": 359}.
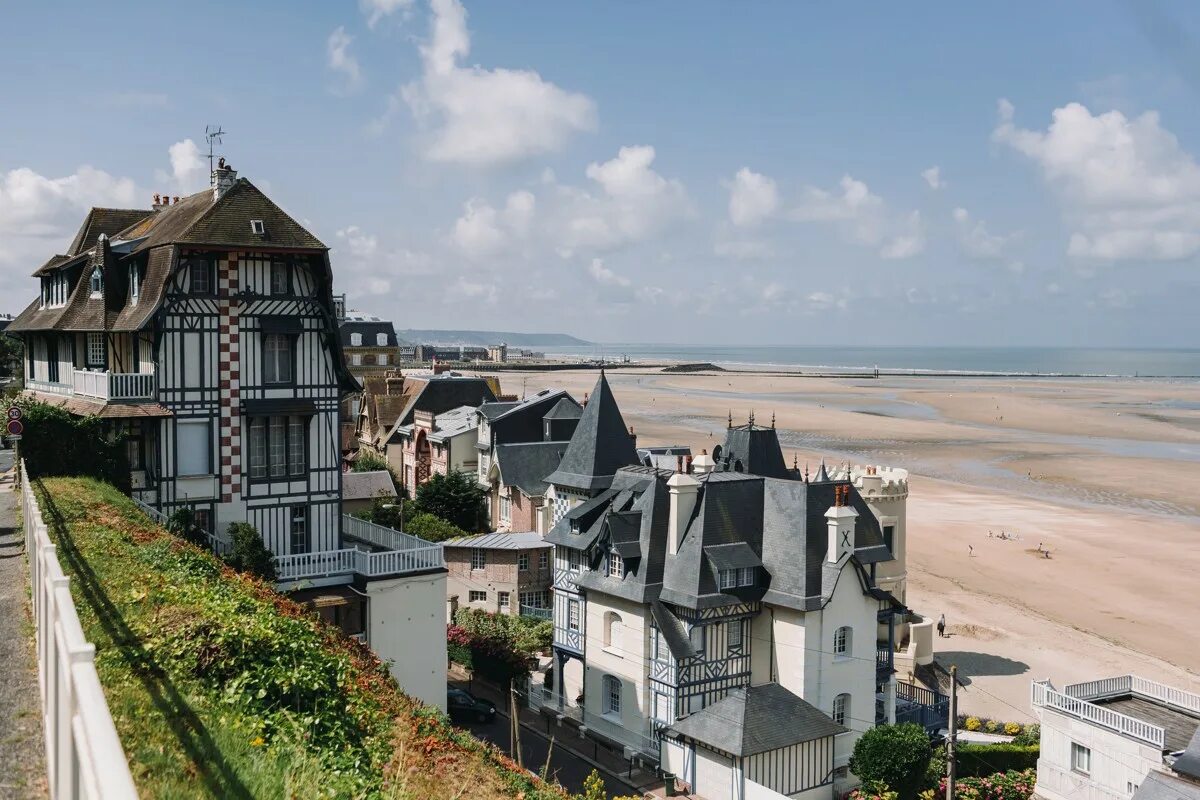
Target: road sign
{"x": 15, "y": 428}
{"x": 14, "y": 412}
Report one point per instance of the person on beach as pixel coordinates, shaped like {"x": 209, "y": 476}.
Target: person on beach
{"x": 942, "y": 627}
{"x": 971, "y": 550}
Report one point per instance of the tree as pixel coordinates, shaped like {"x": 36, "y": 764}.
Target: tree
{"x": 457, "y": 498}
{"x": 431, "y": 528}
{"x": 182, "y": 523}
{"x": 894, "y": 755}
{"x": 12, "y": 358}
{"x": 56, "y": 442}
{"x": 248, "y": 553}
{"x": 370, "y": 461}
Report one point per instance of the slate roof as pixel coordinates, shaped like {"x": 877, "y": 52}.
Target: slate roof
{"x": 367, "y": 485}
{"x": 369, "y": 330}
{"x": 1189, "y": 762}
{"x": 754, "y": 449}
{"x": 756, "y": 719}
{"x": 525, "y": 465}
{"x": 565, "y": 408}
{"x": 600, "y": 445}
{"x": 441, "y": 393}
{"x": 521, "y": 540}
{"x": 1161, "y": 786}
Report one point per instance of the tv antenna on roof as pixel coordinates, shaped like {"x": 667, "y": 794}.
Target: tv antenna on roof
{"x": 212, "y": 133}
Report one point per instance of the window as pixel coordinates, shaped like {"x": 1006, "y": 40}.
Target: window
{"x": 135, "y": 284}
{"x": 575, "y": 561}
{"x": 841, "y": 709}
{"x": 615, "y": 568}
{"x": 696, "y": 637}
{"x": 477, "y": 597}
{"x": 522, "y": 561}
{"x": 843, "y": 641}
{"x": 193, "y": 446}
{"x": 746, "y": 576}
{"x": 735, "y": 633}
{"x": 612, "y": 695}
{"x": 279, "y": 278}
{"x": 505, "y": 507}
{"x": 381, "y": 339}
{"x": 257, "y": 227}
{"x": 1081, "y": 758}
{"x": 356, "y": 340}
{"x": 543, "y": 560}
{"x": 356, "y": 359}
{"x": 299, "y": 530}
{"x": 889, "y": 538}
{"x": 613, "y": 628}
{"x": 728, "y": 578}
{"x": 203, "y": 519}
{"x": 478, "y": 558}
{"x": 381, "y": 359}
{"x": 278, "y": 447}
{"x": 535, "y": 599}
{"x": 133, "y": 451}
{"x": 573, "y": 615}
{"x": 199, "y": 276}
{"x": 96, "y": 350}
{"x": 277, "y": 358}
{"x": 505, "y": 602}
{"x": 96, "y": 282}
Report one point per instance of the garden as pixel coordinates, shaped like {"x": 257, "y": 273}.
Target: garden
{"x": 497, "y": 647}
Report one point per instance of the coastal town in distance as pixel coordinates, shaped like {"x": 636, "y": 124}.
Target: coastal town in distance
{"x": 496, "y": 452}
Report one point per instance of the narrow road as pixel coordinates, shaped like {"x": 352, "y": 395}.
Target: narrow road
{"x": 22, "y": 760}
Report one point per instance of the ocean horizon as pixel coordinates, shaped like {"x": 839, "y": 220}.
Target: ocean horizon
{"x": 1069, "y": 361}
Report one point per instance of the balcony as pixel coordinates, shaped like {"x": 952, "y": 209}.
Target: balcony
{"x": 101, "y": 385}
{"x": 402, "y": 553}
{"x": 929, "y": 709}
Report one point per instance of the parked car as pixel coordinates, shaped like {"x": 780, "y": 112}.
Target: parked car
{"x": 464, "y": 705}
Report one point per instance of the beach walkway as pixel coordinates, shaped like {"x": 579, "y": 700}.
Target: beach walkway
{"x": 22, "y": 757}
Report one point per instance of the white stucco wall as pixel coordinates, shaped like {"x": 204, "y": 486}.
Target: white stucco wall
{"x": 626, "y": 657}
{"x": 406, "y": 627}
{"x": 1119, "y": 764}
{"x": 716, "y": 778}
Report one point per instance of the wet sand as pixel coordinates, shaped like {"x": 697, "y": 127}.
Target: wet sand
{"x": 1102, "y": 472}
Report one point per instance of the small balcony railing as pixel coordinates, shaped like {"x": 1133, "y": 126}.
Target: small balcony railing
{"x": 401, "y": 553}
{"x": 105, "y": 385}
{"x": 536, "y": 612}
{"x": 1045, "y": 696}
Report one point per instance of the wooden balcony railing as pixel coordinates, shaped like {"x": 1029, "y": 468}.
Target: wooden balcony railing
{"x": 106, "y": 385}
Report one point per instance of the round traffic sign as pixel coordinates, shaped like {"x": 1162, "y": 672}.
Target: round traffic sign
{"x": 15, "y": 428}
{"x": 14, "y": 412}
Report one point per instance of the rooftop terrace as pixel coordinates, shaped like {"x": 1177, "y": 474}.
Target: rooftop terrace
{"x": 1151, "y": 712}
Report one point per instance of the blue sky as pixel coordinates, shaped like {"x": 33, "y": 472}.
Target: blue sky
{"x": 765, "y": 172}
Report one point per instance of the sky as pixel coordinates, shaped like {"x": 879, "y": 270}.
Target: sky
{"x": 938, "y": 173}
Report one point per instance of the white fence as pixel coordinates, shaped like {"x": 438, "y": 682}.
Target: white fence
{"x": 114, "y": 385}
{"x": 1045, "y": 696}
{"x": 372, "y": 565}
{"x": 84, "y": 757}
{"x": 1134, "y": 685}
{"x": 215, "y": 543}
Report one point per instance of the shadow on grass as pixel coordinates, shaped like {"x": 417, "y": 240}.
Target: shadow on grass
{"x": 190, "y": 731}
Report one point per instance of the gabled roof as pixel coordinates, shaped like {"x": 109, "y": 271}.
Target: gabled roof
{"x": 565, "y": 408}
{"x": 525, "y": 465}
{"x": 600, "y": 446}
{"x": 756, "y": 719}
{"x": 367, "y": 485}
{"x": 441, "y": 393}
{"x": 1188, "y": 763}
{"x": 107, "y": 221}
{"x": 1161, "y": 786}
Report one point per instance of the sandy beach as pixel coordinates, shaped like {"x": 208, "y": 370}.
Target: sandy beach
{"x": 1101, "y": 472}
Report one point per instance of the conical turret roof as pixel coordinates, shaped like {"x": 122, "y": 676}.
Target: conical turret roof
{"x": 600, "y": 445}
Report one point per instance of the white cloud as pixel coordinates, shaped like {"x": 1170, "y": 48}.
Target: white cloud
{"x": 618, "y": 288}
{"x": 339, "y": 59}
{"x": 484, "y": 231}
{"x": 863, "y": 218}
{"x": 376, "y": 10}
{"x": 605, "y": 276}
{"x": 359, "y": 243}
{"x": 1127, "y": 186}
{"x": 976, "y": 240}
{"x": 752, "y": 198}
{"x": 933, "y": 176}
{"x": 481, "y": 116}
{"x": 473, "y": 289}
{"x": 189, "y": 167}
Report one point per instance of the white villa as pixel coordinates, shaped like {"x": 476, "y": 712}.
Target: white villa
{"x": 722, "y": 621}
{"x": 1116, "y": 739}
{"x": 204, "y": 331}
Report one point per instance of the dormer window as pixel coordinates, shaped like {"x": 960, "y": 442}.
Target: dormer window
{"x": 356, "y": 340}
{"x": 615, "y": 568}
{"x": 381, "y": 339}
{"x": 257, "y": 227}
{"x": 135, "y": 284}
{"x": 733, "y": 578}
{"x": 96, "y": 282}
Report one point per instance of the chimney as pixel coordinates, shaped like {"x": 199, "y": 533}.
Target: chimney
{"x": 684, "y": 490}
{"x": 161, "y": 201}
{"x": 703, "y": 463}
{"x": 841, "y": 517}
{"x": 223, "y": 178}
{"x": 632, "y": 436}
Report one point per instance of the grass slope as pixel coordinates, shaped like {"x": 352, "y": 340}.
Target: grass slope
{"x": 220, "y": 687}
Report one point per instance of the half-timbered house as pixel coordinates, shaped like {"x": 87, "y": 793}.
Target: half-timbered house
{"x": 203, "y": 330}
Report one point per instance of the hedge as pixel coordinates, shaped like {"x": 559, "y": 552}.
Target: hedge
{"x": 981, "y": 760}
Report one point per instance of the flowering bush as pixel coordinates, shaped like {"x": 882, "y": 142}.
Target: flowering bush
{"x": 1012, "y": 728}
{"x": 991, "y": 726}
{"x": 497, "y": 646}
{"x": 973, "y": 723}
{"x": 874, "y": 790}
{"x": 1001, "y": 786}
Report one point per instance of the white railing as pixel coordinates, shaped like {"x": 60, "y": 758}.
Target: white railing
{"x": 215, "y": 543}
{"x": 379, "y": 535}
{"x": 48, "y": 387}
{"x": 114, "y": 385}
{"x": 329, "y": 563}
{"x": 1045, "y": 696}
{"x": 1134, "y": 685}
{"x": 639, "y": 741}
{"x": 84, "y": 757}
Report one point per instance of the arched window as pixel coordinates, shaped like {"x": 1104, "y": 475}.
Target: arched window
{"x": 843, "y": 642}
{"x": 612, "y": 695}
{"x": 841, "y": 709}
{"x": 613, "y": 628}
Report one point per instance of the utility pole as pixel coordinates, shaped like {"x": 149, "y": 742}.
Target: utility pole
{"x": 950, "y": 742}
{"x": 515, "y": 736}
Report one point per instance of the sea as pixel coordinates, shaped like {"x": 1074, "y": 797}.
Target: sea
{"x": 1046, "y": 361}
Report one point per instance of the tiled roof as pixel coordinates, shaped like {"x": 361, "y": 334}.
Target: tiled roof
{"x": 754, "y": 449}
{"x": 367, "y": 485}
{"x": 107, "y": 221}
{"x": 756, "y": 719}
{"x": 85, "y": 407}
{"x": 600, "y": 445}
{"x": 523, "y": 540}
{"x": 526, "y": 464}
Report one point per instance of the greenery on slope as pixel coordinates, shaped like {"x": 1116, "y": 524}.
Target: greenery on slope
{"x": 220, "y": 687}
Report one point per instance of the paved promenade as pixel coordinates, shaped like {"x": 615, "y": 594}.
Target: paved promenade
{"x": 22, "y": 760}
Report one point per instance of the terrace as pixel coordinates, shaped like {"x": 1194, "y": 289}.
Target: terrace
{"x": 1147, "y": 711}
{"x": 101, "y": 385}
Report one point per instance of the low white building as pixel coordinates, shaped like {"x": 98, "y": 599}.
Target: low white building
{"x": 1100, "y": 740}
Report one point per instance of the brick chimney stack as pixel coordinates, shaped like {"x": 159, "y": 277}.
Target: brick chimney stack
{"x": 223, "y": 178}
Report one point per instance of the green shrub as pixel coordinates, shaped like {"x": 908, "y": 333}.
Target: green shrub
{"x": 56, "y": 443}
{"x": 999, "y": 786}
{"x": 370, "y": 461}
{"x": 457, "y": 498}
{"x": 431, "y": 528}
{"x": 248, "y": 553}
{"x": 873, "y": 790}
{"x": 182, "y": 523}
{"x": 1030, "y": 734}
{"x": 985, "y": 759}
{"x": 894, "y": 755}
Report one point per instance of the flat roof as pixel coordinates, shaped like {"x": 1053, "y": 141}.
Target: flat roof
{"x": 1179, "y": 726}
